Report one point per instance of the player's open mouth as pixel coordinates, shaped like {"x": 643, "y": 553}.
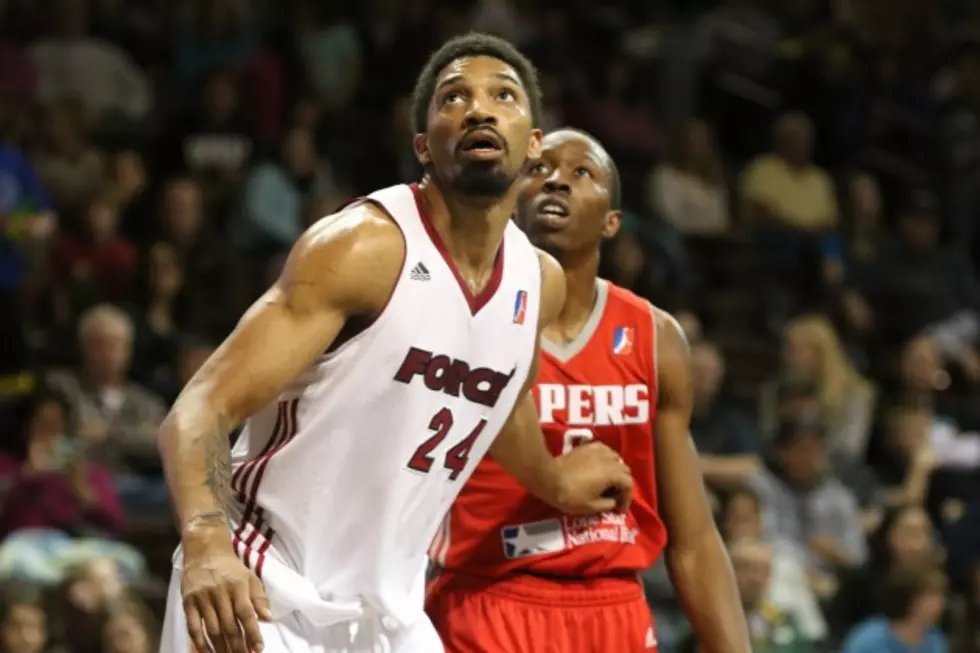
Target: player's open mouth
{"x": 553, "y": 211}
{"x": 482, "y": 144}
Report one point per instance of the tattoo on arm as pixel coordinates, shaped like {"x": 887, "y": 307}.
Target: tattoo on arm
{"x": 217, "y": 461}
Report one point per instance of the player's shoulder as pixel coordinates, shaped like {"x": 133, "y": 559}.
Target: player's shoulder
{"x": 358, "y": 250}
{"x": 362, "y": 235}
{"x": 667, "y": 329}
{"x": 622, "y": 299}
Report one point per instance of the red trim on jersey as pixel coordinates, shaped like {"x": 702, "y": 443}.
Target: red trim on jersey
{"x": 479, "y": 300}
{"x": 253, "y": 515}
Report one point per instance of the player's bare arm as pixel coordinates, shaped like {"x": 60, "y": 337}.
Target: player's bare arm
{"x": 576, "y": 482}
{"x": 345, "y": 265}
{"x": 696, "y": 558}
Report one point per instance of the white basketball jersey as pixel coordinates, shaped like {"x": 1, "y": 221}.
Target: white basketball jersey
{"x": 346, "y": 478}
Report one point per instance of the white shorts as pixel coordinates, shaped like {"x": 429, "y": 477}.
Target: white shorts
{"x": 295, "y": 634}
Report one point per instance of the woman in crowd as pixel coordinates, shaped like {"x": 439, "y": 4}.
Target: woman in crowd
{"x": 813, "y": 353}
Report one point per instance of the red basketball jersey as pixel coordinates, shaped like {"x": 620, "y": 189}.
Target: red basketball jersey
{"x": 601, "y": 386}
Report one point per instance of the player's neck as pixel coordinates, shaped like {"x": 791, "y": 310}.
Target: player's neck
{"x": 471, "y": 229}
{"x": 580, "y": 282}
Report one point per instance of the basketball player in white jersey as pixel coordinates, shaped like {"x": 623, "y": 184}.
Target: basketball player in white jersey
{"x": 397, "y": 348}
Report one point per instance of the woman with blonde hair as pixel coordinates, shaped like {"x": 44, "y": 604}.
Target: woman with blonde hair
{"x": 813, "y": 353}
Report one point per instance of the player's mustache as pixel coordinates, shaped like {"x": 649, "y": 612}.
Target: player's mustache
{"x": 482, "y": 129}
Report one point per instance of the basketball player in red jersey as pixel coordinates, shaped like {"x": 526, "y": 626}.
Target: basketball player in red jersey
{"x": 514, "y": 574}
{"x": 395, "y": 350}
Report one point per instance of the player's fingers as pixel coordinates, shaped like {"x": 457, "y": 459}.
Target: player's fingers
{"x": 620, "y": 477}
{"x": 212, "y": 626}
{"x": 603, "y": 504}
{"x": 195, "y": 628}
{"x": 249, "y": 620}
{"x": 260, "y": 600}
{"x": 623, "y": 500}
{"x": 234, "y": 639}
{"x": 600, "y": 450}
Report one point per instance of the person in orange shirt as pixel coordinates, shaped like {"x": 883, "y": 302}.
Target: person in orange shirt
{"x": 512, "y": 574}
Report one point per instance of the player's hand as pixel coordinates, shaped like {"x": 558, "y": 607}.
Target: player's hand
{"x": 594, "y": 479}
{"x": 224, "y": 602}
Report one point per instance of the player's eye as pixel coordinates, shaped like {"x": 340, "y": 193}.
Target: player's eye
{"x": 582, "y": 171}
{"x": 506, "y": 96}
{"x": 452, "y": 98}
{"x": 538, "y": 169}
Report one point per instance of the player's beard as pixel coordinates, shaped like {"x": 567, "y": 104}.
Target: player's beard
{"x": 483, "y": 179}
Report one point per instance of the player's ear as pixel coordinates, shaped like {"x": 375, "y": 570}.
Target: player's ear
{"x": 611, "y": 224}
{"x": 421, "y": 146}
{"x": 534, "y": 145}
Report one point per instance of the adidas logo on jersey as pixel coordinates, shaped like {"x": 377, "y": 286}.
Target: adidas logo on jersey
{"x": 419, "y": 272}
{"x": 651, "y": 641}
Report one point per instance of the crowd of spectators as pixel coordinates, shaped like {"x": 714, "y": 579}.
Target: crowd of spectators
{"x": 801, "y": 184}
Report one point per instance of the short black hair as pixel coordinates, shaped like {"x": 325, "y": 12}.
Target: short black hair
{"x": 473, "y": 45}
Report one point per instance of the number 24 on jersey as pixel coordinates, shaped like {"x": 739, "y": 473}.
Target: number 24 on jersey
{"x": 456, "y": 457}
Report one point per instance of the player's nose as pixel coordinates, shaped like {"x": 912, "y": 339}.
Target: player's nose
{"x": 478, "y": 113}
{"x": 556, "y": 182}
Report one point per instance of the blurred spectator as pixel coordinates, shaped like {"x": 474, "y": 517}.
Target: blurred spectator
{"x": 789, "y": 589}
{"x": 812, "y": 352}
{"x": 117, "y": 419}
{"x": 727, "y": 442}
{"x": 905, "y": 538}
{"x": 129, "y": 627}
{"x": 805, "y": 505}
{"x": 157, "y": 319}
{"x": 924, "y": 288}
{"x": 277, "y": 194}
{"x": 73, "y": 63}
{"x": 922, "y": 373}
{"x": 211, "y": 286}
{"x": 845, "y": 269}
{"x": 212, "y": 142}
{"x": 26, "y": 222}
{"x": 97, "y": 265}
{"x": 23, "y": 620}
{"x": 620, "y": 116}
{"x": 791, "y": 207}
{"x": 784, "y": 190}
{"x": 913, "y": 600}
{"x": 932, "y": 464}
{"x": 212, "y": 35}
{"x": 84, "y": 602}
{"x": 690, "y": 192}
{"x": 330, "y": 49}
{"x": 70, "y": 166}
{"x": 127, "y": 185}
{"x": 54, "y": 486}
{"x": 770, "y": 629}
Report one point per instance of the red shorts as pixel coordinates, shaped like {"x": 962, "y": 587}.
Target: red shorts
{"x": 528, "y": 614}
